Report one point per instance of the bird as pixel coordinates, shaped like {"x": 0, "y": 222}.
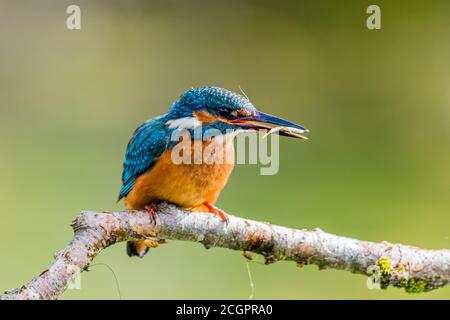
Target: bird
{"x": 150, "y": 176}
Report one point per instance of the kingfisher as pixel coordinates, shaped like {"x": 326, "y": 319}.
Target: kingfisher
{"x": 150, "y": 174}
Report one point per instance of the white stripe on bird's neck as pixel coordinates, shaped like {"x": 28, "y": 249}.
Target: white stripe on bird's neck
{"x": 184, "y": 123}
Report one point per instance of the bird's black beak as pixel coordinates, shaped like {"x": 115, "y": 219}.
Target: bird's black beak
{"x": 265, "y": 122}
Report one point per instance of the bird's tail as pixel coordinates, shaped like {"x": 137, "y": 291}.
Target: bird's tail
{"x": 137, "y": 248}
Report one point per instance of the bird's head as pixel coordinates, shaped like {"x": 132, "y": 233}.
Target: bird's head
{"x": 223, "y": 110}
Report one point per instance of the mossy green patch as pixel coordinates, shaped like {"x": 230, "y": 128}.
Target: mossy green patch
{"x": 386, "y": 271}
{"x": 416, "y": 286}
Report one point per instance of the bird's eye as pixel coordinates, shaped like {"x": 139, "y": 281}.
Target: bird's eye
{"x": 234, "y": 113}
{"x": 224, "y": 112}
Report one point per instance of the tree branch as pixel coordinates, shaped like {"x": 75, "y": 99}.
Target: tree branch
{"x": 387, "y": 264}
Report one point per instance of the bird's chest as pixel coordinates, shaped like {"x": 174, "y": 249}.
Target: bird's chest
{"x": 188, "y": 175}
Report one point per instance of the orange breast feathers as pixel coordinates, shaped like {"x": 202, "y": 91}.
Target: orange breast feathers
{"x": 190, "y": 184}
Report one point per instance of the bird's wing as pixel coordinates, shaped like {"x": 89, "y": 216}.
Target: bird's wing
{"x": 148, "y": 143}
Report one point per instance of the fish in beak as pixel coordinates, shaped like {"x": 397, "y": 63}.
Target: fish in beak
{"x": 265, "y": 122}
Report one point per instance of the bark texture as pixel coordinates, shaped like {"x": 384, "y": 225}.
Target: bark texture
{"x": 386, "y": 264}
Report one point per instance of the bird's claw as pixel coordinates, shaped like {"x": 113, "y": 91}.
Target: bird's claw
{"x": 217, "y": 212}
{"x": 152, "y": 212}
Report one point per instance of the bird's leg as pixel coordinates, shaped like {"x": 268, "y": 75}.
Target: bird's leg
{"x": 141, "y": 247}
{"x": 152, "y": 212}
{"x": 216, "y": 211}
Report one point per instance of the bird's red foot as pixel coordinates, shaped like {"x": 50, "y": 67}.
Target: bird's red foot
{"x": 152, "y": 212}
{"x": 217, "y": 212}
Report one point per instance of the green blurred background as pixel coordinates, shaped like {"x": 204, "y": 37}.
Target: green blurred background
{"x": 376, "y": 166}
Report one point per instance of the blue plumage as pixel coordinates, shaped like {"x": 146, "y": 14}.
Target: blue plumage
{"x": 213, "y": 99}
{"x": 149, "y": 141}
